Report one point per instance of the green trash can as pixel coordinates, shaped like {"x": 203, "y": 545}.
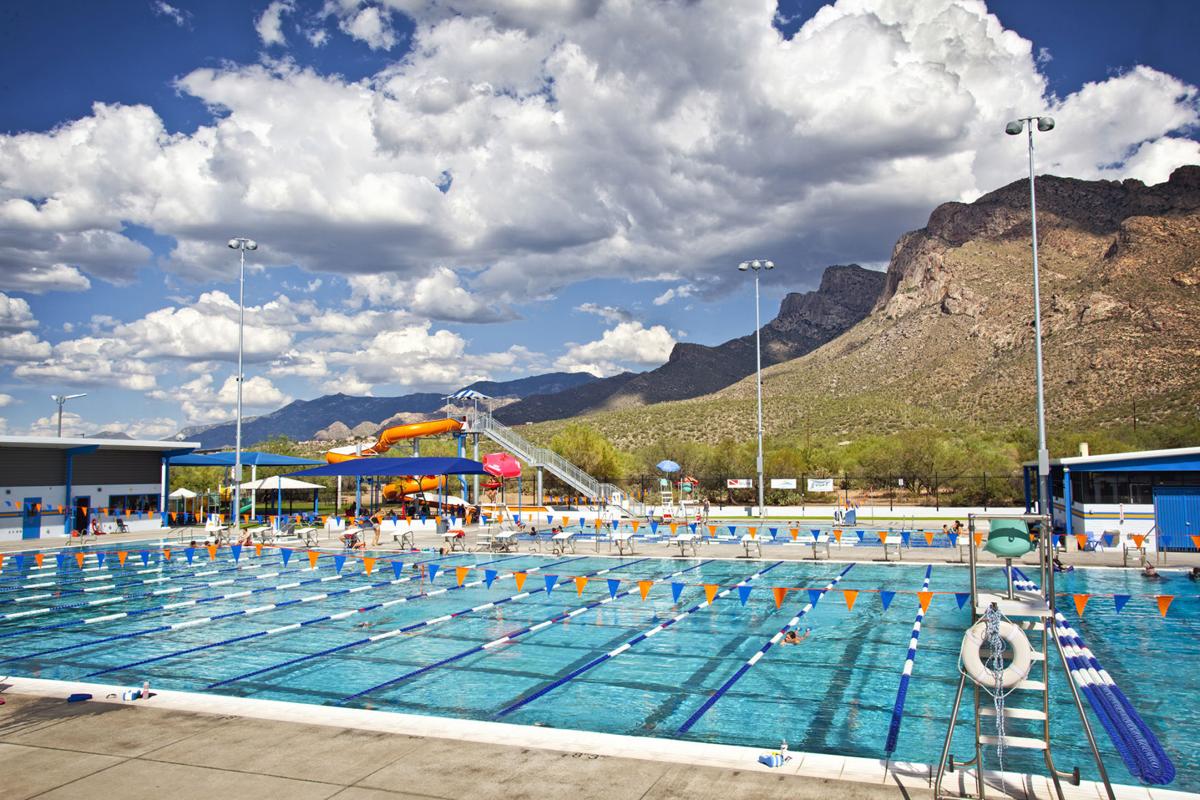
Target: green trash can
{"x": 1009, "y": 538}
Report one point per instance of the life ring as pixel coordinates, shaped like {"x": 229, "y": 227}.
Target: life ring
{"x": 976, "y": 637}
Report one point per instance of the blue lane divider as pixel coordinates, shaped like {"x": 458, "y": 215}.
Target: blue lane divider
{"x": 762, "y": 651}
{"x": 203, "y": 620}
{"x": 641, "y": 637}
{"x": 412, "y": 627}
{"x": 297, "y": 625}
{"x": 198, "y": 600}
{"x": 508, "y": 637}
{"x": 906, "y": 674}
{"x": 1140, "y": 749}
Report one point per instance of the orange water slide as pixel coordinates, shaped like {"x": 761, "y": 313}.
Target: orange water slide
{"x": 388, "y": 438}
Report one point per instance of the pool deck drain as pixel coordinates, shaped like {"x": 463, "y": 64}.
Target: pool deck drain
{"x": 183, "y": 745}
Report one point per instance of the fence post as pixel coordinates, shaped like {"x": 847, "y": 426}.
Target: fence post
{"x": 937, "y": 497}
{"x": 985, "y": 493}
{"x": 892, "y": 493}
{"x": 803, "y": 494}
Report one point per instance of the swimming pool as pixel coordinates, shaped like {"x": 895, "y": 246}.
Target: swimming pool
{"x": 558, "y": 658}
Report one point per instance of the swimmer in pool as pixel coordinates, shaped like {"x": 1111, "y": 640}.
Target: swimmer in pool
{"x": 792, "y": 637}
{"x": 1150, "y": 572}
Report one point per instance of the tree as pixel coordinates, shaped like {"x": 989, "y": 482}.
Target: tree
{"x": 587, "y": 449}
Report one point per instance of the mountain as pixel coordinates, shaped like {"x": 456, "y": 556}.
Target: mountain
{"x": 805, "y": 321}
{"x": 344, "y": 414}
{"x": 950, "y": 339}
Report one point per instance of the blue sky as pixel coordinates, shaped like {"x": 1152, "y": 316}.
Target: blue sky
{"x": 494, "y": 192}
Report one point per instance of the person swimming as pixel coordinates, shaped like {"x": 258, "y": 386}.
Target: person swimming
{"x": 793, "y": 637}
{"x": 1150, "y": 572}
{"x": 1194, "y": 574}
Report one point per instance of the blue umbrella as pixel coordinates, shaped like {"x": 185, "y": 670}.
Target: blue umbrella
{"x": 668, "y": 466}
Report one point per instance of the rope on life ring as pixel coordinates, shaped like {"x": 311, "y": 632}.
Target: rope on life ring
{"x": 973, "y": 641}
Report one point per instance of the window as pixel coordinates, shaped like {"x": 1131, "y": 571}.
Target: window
{"x": 118, "y": 504}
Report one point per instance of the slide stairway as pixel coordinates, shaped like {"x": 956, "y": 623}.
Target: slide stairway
{"x": 483, "y": 423}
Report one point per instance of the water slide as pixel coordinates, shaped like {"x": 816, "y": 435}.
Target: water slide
{"x": 389, "y": 438}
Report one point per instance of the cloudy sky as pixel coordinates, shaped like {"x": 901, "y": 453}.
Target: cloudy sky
{"x": 448, "y": 190}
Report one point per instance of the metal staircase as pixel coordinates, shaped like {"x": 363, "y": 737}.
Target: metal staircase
{"x": 483, "y": 423}
{"x": 1033, "y": 612}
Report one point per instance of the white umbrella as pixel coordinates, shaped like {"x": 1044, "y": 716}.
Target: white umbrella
{"x": 184, "y": 493}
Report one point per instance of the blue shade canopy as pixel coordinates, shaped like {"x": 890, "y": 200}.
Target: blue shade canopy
{"x": 668, "y": 465}
{"x": 363, "y": 467}
{"x": 249, "y": 458}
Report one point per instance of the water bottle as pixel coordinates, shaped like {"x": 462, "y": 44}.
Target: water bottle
{"x": 145, "y": 690}
{"x": 783, "y": 748}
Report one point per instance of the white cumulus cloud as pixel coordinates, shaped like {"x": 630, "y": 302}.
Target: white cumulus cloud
{"x": 270, "y": 23}
{"x": 627, "y": 344}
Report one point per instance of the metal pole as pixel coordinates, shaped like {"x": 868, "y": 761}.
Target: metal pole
{"x": 762, "y": 510}
{"x": 1043, "y": 452}
{"x": 237, "y": 457}
{"x": 60, "y": 406}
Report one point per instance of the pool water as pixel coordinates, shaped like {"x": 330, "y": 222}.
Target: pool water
{"x": 832, "y": 694}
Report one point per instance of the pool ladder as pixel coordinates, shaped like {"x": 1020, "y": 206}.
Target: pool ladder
{"x": 1032, "y": 612}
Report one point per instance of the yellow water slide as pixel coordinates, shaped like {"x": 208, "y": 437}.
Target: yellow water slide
{"x": 387, "y": 439}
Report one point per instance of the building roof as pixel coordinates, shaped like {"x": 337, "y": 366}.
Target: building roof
{"x": 1185, "y": 459}
{"x": 67, "y": 442}
{"x": 399, "y": 466}
{"x": 249, "y": 458}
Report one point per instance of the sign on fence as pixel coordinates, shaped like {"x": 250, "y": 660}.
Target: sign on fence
{"x": 739, "y": 483}
{"x": 783, "y": 483}
{"x": 820, "y": 484}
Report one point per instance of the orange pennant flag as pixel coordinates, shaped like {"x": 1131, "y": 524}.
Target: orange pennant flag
{"x": 580, "y": 582}
{"x": 1196, "y": 542}
{"x": 166, "y": 554}
{"x": 979, "y": 540}
{"x": 566, "y": 520}
{"x": 929, "y": 538}
{"x": 712, "y": 531}
{"x": 795, "y": 532}
{"x": 710, "y": 591}
{"x": 780, "y": 592}
{"x": 258, "y": 548}
{"x": 1164, "y": 602}
{"x": 674, "y": 527}
{"x": 121, "y": 556}
{"x": 519, "y": 577}
{"x": 883, "y": 537}
{"x": 129, "y": 512}
{"x": 313, "y": 555}
{"x": 79, "y": 559}
{"x": 369, "y": 564}
{"x": 1138, "y": 538}
{"x": 1, "y": 559}
{"x": 635, "y": 524}
{"x": 1081, "y": 540}
{"x": 212, "y": 552}
{"x": 851, "y": 595}
{"x": 1081, "y": 601}
{"x": 173, "y": 516}
{"x": 925, "y": 598}
{"x": 221, "y": 518}
{"x": 837, "y": 536}
{"x": 460, "y": 574}
{"x": 644, "y": 587}
{"x": 37, "y": 558}
{"x": 438, "y": 519}
{"x": 753, "y": 531}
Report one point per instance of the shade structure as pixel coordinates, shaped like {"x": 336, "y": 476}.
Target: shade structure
{"x": 278, "y": 482}
{"x": 362, "y": 467}
{"x": 447, "y": 500}
{"x": 667, "y": 465}
{"x": 502, "y": 465}
{"x": 249, "y": 458}
{"x": 181, "y": 492}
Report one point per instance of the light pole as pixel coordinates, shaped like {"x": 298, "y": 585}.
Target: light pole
{"x": 62, "y": 399}
{"x": 758, "y": 265}
{"x": 1015, "y": 128}
{"x": 241, "y": 244}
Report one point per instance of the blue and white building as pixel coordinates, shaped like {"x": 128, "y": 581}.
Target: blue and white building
{"x": 1152, "y": 493}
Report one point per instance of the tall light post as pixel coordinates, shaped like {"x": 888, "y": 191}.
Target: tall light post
{"x": 62, "y": 399}
{"x": 758, "y": 265}
{"x": 1015, "y": 128}
{"x": 241, "y": 244}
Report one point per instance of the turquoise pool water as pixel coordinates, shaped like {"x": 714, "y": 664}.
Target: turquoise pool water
{"x": 832, "y": 694}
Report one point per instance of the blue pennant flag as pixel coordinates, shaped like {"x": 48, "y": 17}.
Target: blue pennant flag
{"x": 19, "y": 558}
{"x": 1119, "y": 600}
{"x": 100, "y": 556}
{"x": 145, "y": 558}
{"x": 549, "y": 519}
{"x": 423, "y": 517}
{"x": 676, "y": 590}
{"x": 743, "y": 592}
{"x": 904, "y": 535}
{"x": 654, "y": 526}
{"x": 338, "y": 563}
{"x": 692, "y": 525}
{"x": 433, "y": 570}
{"x": 397, "y": 568}
{"x": 859, "y": 533}
{"x": 774, "y": 532}
{"x": 489, "y": 575}
{"x": 582, "y": 521}
{"x": 732, "y": 529}
{"x": 285, "y": 554}
{"x": 613, "y": 585}
{"x": 550, "y": 581}
{"x": 953, "y": 539}
{"x": 886, "y": 598}
{"x": 816, "y": 533}
{"x": 60, "y": 558}
{"x": 517, "y": 518}
{"x": 190, "y": 552}
{"x": 814, "y": 595}
{"x": 962, "y": 598}
{"x": 236, "y": 550}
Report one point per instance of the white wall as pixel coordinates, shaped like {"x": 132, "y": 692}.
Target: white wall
{"x": 54, "y": 496}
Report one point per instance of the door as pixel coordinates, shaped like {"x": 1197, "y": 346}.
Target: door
{"x": 1177, "y": 516}
{"x": 31, "y": 518}
{"x": 83, "y": 504}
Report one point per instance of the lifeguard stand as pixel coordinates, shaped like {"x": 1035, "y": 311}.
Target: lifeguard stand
{"x": 667, "y": 495}
{"x": 1009, "y": 538}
